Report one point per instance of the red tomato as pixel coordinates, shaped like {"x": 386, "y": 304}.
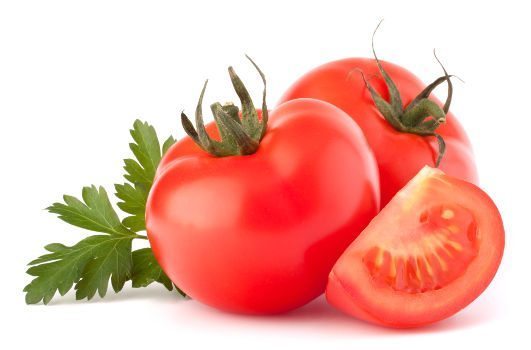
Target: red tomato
{"x": 429, "y": 253}
{"x": 259, "y": 233}
{"x": 399, "y": 155}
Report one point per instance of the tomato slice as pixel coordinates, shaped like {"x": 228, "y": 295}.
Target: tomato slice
{"x": 429, "y": 253}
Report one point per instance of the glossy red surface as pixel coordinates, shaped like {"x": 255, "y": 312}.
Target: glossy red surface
{"x": 400, "y": 156}
{"x": 260, "y": 233}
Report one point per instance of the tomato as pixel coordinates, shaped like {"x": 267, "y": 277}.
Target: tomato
{"x": 400, "y": 155}
{"x": 429, "y": 253}
{"x": 260, "y": 233}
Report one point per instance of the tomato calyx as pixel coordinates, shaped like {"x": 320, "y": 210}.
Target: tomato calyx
{"x": 239, "y": 136}
{"x": 421, "y": 116}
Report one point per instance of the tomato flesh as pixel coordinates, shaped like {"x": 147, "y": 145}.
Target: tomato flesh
{"x": 441, "y": 247}
{"x": 430, "y": 252}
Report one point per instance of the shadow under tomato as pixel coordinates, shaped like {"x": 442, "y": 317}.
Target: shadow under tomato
{"x": 473, "y": 316}
{"x": 320, "y": 317}
{"x": 316, "y": 316}
{"x": 155, "y": 293}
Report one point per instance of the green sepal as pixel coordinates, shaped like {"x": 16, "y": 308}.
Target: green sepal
{"x": 249, "y": 115}
{"x": 383, "y": 106}
{"x": 239, "y": 135}
{"x": 422, "y": 116}
{"x": 394, "y": 94}
{"x": 243, "y": 143}
{"x": 422, "y": 110}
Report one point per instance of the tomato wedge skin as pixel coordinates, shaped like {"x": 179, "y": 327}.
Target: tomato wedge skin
{"x": 352, "y": 289}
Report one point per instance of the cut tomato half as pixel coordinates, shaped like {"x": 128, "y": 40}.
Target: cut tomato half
{"x": 429, "y": 253}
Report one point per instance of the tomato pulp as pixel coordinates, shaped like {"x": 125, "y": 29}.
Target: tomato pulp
{"x": 260, "y": 233}
{"x": 399, "y": 155}
{"x": 430, "y": 252}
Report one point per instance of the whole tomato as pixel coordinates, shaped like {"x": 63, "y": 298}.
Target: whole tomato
{"x": 250, "y": 214}
{"x": 405, "y": 129}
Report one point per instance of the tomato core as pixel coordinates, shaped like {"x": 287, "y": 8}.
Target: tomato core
{"x": 442, "y": 245}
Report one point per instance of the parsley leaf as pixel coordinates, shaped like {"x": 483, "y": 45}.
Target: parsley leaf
{"x": 113, "y": 258}
{"x": 64, "y": 266}
{"x": 133, "y": 202}
{"x": 93, "y": 261}
{"x": 167, "y": 144}
{"x": 140, "y": 173}
{"x": 146, "y": 270}
{"x": 96, "y": 214}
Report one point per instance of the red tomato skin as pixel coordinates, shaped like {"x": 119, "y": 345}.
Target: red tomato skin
{"x": 351, "y": 290}
{"x": 259, "y": 234}
{"x": 399, "y": 155}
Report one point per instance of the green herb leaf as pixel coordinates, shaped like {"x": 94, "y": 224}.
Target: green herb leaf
{"x": 96, "y": 214}
{"x": 111, "y": 260}
{"x": 146, "y": 270}
{"x": 140, "y": 173}
{"x": 147, "y": 152}
{"x": 167, "y": 144}
{"x": 133, "y": 202}
{"x": 93, "y": 261}
{"x": 89, "y": 263}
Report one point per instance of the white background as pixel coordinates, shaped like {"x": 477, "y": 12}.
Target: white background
{"x": 74, "y": 76}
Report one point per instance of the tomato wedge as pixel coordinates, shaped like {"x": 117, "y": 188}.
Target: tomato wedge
{"x": 429, "y": 253}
